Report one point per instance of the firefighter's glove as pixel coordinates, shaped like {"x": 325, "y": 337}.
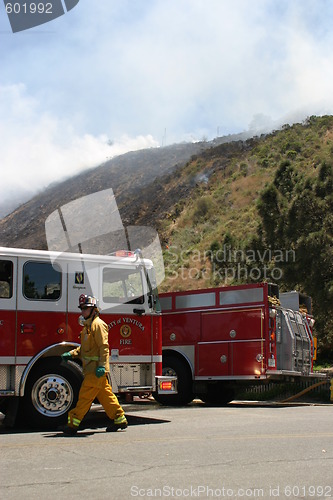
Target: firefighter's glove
{"x": 66, "y": 356}
{"x": 100, "y": 371}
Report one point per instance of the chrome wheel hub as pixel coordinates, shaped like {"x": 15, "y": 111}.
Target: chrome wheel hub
{"x": 52, "y": 395}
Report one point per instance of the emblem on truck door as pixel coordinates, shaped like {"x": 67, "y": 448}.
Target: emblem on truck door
{"x": 125, "y": 331}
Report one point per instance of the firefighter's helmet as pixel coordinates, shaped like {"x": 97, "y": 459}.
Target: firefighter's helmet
{"x": 87, "y": 301}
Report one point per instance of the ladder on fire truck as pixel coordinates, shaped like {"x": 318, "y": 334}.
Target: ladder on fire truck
{"x": 297, "y": 348}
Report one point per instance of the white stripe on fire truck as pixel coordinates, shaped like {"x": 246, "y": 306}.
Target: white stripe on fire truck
{"x": 24, "y": 360}
{"x": 136, "y": 359}
{"x": 7, "y": 360}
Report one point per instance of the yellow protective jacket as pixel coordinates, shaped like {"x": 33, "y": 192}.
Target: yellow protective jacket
{"x": 94, "y": 348}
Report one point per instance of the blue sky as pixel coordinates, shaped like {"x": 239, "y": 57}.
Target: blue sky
{"x": 142, "y": 73}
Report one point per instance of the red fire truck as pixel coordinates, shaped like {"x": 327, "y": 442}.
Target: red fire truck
{"x": 217, "y": 339}
{"x": 39, "y": 293}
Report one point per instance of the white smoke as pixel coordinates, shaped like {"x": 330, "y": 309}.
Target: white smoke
{"x": 37, "y": 149}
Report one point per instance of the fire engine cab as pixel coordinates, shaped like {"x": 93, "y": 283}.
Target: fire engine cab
{"x": 39, "y": 297}
{"x": 217, "y": 339}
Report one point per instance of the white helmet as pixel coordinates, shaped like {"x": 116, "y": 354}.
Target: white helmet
{"x": 87, "y": 301}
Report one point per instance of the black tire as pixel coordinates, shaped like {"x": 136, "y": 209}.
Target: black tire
{"x": 176, "y": 367}
{"x": 218, "y": 395}
{"x": 52, "y": 390}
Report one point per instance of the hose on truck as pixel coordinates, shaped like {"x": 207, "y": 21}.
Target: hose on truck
{"x": 308, "y": 389}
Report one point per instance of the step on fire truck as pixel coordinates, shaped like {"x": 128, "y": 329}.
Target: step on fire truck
{"x": 39, "y": 296}
{"x": 217, "y": 339}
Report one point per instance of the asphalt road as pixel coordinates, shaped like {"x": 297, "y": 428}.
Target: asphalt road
{"x": 239, "y": 451}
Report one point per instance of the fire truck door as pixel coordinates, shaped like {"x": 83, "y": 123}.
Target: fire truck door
{"x": 41, "y": 306}
{"x": 8, "y": 273}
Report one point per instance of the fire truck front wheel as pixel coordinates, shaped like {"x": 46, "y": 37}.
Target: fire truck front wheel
{"x": 52, "y": 390}
{"x": 176, "y": 367}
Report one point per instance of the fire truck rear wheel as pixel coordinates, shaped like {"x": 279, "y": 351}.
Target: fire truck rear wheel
{"x": 52, "y": 390}
{"x": 218, "y": 395}
{"x": 176, "y": 367}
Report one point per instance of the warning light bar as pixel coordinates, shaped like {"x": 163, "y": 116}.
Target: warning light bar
{"x": 123, "y": 253}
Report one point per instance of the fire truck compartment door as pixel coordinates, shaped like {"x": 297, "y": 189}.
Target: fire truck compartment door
{"x": 247, "y": 358}
{"x": 213, "y": 359}
{"x": 226, "y": 359}
{"x": 231, "y": 343}
{"x": 235, "y": 325}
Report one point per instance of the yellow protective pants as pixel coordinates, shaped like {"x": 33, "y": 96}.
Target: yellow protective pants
{"x": 93, "y": 387}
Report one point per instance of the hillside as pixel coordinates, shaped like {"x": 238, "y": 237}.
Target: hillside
{"x": 257, "y": 209}
{"x": 127, "y": 175}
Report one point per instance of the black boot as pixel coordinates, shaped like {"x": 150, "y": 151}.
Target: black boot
{"x": 118, "y": 423}
{"x": 69, "y": 431}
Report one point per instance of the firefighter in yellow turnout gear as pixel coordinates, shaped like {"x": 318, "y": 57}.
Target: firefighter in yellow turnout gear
{"x": 94, "y": 354}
